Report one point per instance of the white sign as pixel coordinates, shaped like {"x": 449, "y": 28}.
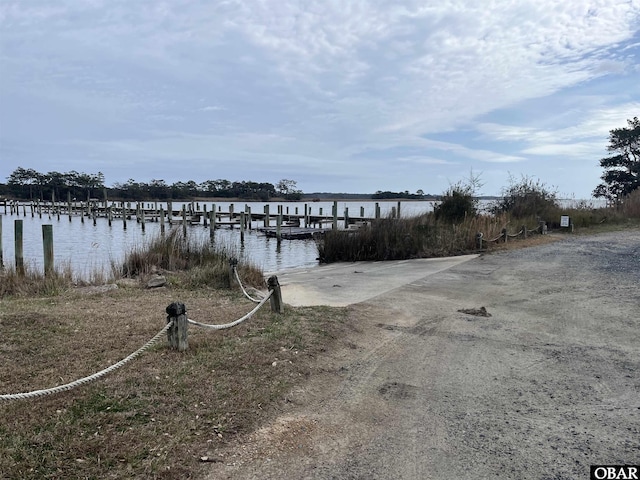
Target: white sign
{"x": 564, "y": 221}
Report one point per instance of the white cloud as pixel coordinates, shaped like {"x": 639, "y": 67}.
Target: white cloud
{"x": 313, "y": 82}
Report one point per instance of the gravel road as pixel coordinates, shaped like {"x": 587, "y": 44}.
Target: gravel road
{"x": 545, "y": 386}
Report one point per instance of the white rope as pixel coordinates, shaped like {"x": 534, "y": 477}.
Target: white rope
{"x": 258, "y": 300}
{"x": 233, "y": 324}
{"x": 90, "y": 378}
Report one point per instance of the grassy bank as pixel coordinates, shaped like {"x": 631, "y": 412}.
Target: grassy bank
{"x": 160, "y": 414}
{"x": 157, "y": 416}
{"x": 428, "y": 236}
{"x": 184, "y": 261}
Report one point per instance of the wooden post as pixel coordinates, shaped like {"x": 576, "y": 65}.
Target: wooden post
{"x": 233, "y": 264}
{"x": 212, "y": 223}
{"x": 334, "y": 211}
{"x": 47, "y": 244}
{"x": 276, "y": 297}
{"x": 205, "y": 216}
{"x": 161, "y": 220}
{"x": 242, "y": 226}
{"x": 18, "y": 247}
{"x": 279, "y": 228}
{"x": 169, "y": 212}
{"x": 346, "y": 217}
{"x": 1, "y": 254}
{"x": 504, "y": 234}
{"x": 178, "y": 333}
{"x": 398, "y": 211}
{"x": 69, "y": 204}
{"x": 184, "y": 221}
{"x": 124, "y": 216}
{"x": 479, "y": 240}
{"x": 361, "y": 212}
{"x": 306, "y": 215}
{"x": 142, "y": 219}
{"x": 377, "y": 212}
{"x": 266, "y": 216}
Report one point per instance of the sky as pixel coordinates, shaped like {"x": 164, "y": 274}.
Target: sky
{"x": 340, "y": 96}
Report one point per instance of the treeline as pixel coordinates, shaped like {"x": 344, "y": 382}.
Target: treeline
{"x": 28, "y": 184}
{"x": 419, "y": 195}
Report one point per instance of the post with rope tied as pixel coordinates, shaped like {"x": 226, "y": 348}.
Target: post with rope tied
{"x": 276, "y": 295}
{"x": 178, "y": 331}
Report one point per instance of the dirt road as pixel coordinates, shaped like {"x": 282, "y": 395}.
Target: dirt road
{"x": 541, "y": 389}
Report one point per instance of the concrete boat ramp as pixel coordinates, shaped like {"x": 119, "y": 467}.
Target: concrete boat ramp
{"x": 342, "y": 284}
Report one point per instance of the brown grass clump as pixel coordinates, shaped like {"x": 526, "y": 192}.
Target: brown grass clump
{"x": 425, "y": 236}
{"x": 34, "y": 283}
{"x": 198, "y": 261}
{"x": 190, "y": 263}
{"x": 159, "y": 414}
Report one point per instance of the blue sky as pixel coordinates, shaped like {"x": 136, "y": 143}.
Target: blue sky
{"x": 341, "y": 96}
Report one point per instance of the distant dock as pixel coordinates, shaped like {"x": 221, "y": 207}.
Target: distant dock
{"x": 287, "y": 222}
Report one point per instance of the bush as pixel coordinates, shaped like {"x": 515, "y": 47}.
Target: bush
{"x": 527, "y": 198}
{"x": 456, "y": 204}
{"x": 458, "y": 201}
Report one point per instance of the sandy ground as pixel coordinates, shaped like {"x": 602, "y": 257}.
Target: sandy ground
{"x": 541, "y": 389}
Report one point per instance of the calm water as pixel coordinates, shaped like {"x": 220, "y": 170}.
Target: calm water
{"x": 88, "y": 248}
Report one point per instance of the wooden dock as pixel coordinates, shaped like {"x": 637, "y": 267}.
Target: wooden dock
{"x": 296, "y": 222}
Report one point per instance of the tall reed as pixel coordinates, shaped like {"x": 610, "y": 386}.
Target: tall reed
{"x": 201, "y": 261}
{"x": 413, "y": 237}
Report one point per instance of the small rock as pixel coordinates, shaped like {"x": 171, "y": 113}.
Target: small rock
{"x": 157, "y": 281}
{"x": 478, "y": 312}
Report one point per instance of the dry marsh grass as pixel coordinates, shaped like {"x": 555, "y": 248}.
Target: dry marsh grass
{"x": 157, "y": 416}
{"x": 425, "y": 236}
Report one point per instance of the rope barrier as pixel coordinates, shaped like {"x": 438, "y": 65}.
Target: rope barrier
{"x": 90, "y": 378}
{"x": 233, "y": 324}
{"x": 514, "y": 235}
{"x": 235, "y": 270}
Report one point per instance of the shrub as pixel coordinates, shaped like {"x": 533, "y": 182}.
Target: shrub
{"x": 456, "y": 204}
{"x": 527, "y": 198}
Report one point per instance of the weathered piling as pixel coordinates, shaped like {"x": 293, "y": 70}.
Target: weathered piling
{"x": 276, "y": 295}
{"x": 279, "y": 228}
{"x": 19, "y": 256}
{"x": 266, "y": 216}
{"x": 1, "y": 254}
{"x": 178, "y": 333}
{"x": 47, "y": 245}
{"x": 242, "y": 226}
